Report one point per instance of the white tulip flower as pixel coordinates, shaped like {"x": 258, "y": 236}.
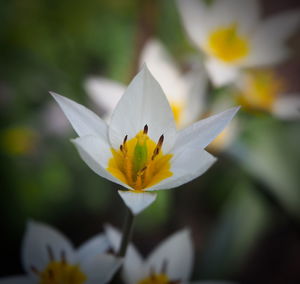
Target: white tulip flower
{"x": 141, "y": 149}
{"x": 171, "y": 262}
{"x": 233, "y": 36}
{"x": 263, "y": 90}
{"x": 49, "y": 258}
{"x": 185, "y": 92}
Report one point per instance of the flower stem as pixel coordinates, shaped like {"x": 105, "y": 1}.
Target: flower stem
{"x": 127, "y": 233}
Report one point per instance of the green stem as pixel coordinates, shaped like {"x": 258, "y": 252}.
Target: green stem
{"x": 127, "y": 233}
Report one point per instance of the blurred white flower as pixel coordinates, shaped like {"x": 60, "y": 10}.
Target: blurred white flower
{"x": 233, "y": 36}
{"x": 141, "y": 149}
{"x": 263, "y": 90}
{"x": 171, "y": 262}
{"x": 185, "y": 92}
{"x": 49, "y": 258}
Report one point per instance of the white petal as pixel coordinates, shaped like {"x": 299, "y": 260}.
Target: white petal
{"x": 186, "y": 165}
{"x": 196, "y": 81}
{"x": 40, "y": 242}
{"x": 220, "y": 73}
{"x": 268, "y": 44}
{"x": 143, "y": 103}
{"x": 137, "y": 201}
{"x": 164, "y": 70}
{"x": 287, "y": 106}
{"x": 101, "y": 268}
{"x": 95, "y": 152}
{"x": 96, "y": 245}
{"x": 177, "y": 253}
{"x": 195, "y": 16}
{"x": 83, "y": 120}
{"x": 133, "y": 262}
{"x": 17, "y": 280}
{"x": 204, "y": 131}
{"x": 105, "y": 93}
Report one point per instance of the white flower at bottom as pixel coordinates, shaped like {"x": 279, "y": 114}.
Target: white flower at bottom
{"x": 170, "y": 263}
{"x": 141, "y": 148}
{"x": 49, "y": 258}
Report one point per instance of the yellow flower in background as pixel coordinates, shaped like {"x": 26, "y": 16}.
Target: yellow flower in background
{"x": 49, "y": 258}
{"x": 19, "y": 141}
{"x": 263, "y": 90}
{"x": 141, "y": 149}
{"x": 233, "y": 36}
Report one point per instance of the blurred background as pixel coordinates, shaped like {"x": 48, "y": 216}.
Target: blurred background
{"x": 244, "y": 213}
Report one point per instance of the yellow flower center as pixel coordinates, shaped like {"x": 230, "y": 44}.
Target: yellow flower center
{"x": 59, "y": 272}
{"x": 260, "y": 90}
{"x": 140, "y": 162}
{"x": 227, "y": 44}
{"x": 156, "y": 279}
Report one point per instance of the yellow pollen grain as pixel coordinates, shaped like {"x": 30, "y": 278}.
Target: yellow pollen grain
{"x": 60, "y": 272}
{"x": 260, "y": 90}
{"x": 140, "y": 169}
{"x": 156, "y": 279}
{"x": 227, "y": 44}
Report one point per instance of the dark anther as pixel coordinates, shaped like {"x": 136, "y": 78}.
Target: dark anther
{"x": 63, "y": 257}
{"x": 146, "y": 129}
{"x": 34, "y": 269}
{"x": 125, "y": 139}
{"x": 50, "y": 253}
{"x": 121, "y": 148}
{"x": 160, "y": 141}
{"x": 164, "y": 267}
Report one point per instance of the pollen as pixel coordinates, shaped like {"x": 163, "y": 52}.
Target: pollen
{"x": 140, "y": 162}
{"x": 260, "y": 90}
{"x": 227, "y": 44}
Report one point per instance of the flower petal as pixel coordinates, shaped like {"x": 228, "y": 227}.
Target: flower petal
{"x": 268, "y": 43}
{"x": 220, "y": 73}
{"x": 186, "y": 165}
{"x": 42, "y": 243}
{"x": 143, "y": 103}
{"x": 17, "y": 280}
{"x": 100, "y": 268}
{"x": 137, "y": 201}
{"x": 176, "y": 253}
{"x": 94, "y": 246}
{"x": 133, "y": 262}
{"x": 287, "y": 106}
{"x": 83, "y": 120}
{"x": 95, "y": 152}
{"x": 105, "y": 93}
{"x": 164, "y": 70}
{"x": 195, "y": 17}
{"x": 204, "y": 131}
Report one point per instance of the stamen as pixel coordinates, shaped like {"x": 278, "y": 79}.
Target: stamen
{"x": 50, "y": 253}
{"x": 164, "y": 266}
{"x": 63, "y": 257}
{"x": 34, "y": 269}
{"x": 145, "y": 129}
{"x": 125, "y": 139}
{"x": 158, "y": 147}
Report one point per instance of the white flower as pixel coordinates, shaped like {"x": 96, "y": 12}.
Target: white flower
{"x": 263, "y": 90}
{"x": 185, "y": 93}
{"x": 232, "y": 35}
{"x": 49, "y": 258}
{"x": 171, "y": 262}
{"x": 141, "y": 149}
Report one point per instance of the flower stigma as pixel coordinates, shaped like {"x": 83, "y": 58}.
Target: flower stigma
{"x": 140, "y": 162}
{"x": 59, "y": 271}
{"x": 227, "y": 44}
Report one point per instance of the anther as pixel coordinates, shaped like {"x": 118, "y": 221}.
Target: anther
{"x": 160, "y": 141}
{"x": 34, "y": 269}
{"x": 145, "y": 129}
{"x": 63, "y": 257}
{"x": 158, "y": 147}
{"x": 121, "y": 148}
{"x": 50, "y": 253}
{"x": 125, "y": 139}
